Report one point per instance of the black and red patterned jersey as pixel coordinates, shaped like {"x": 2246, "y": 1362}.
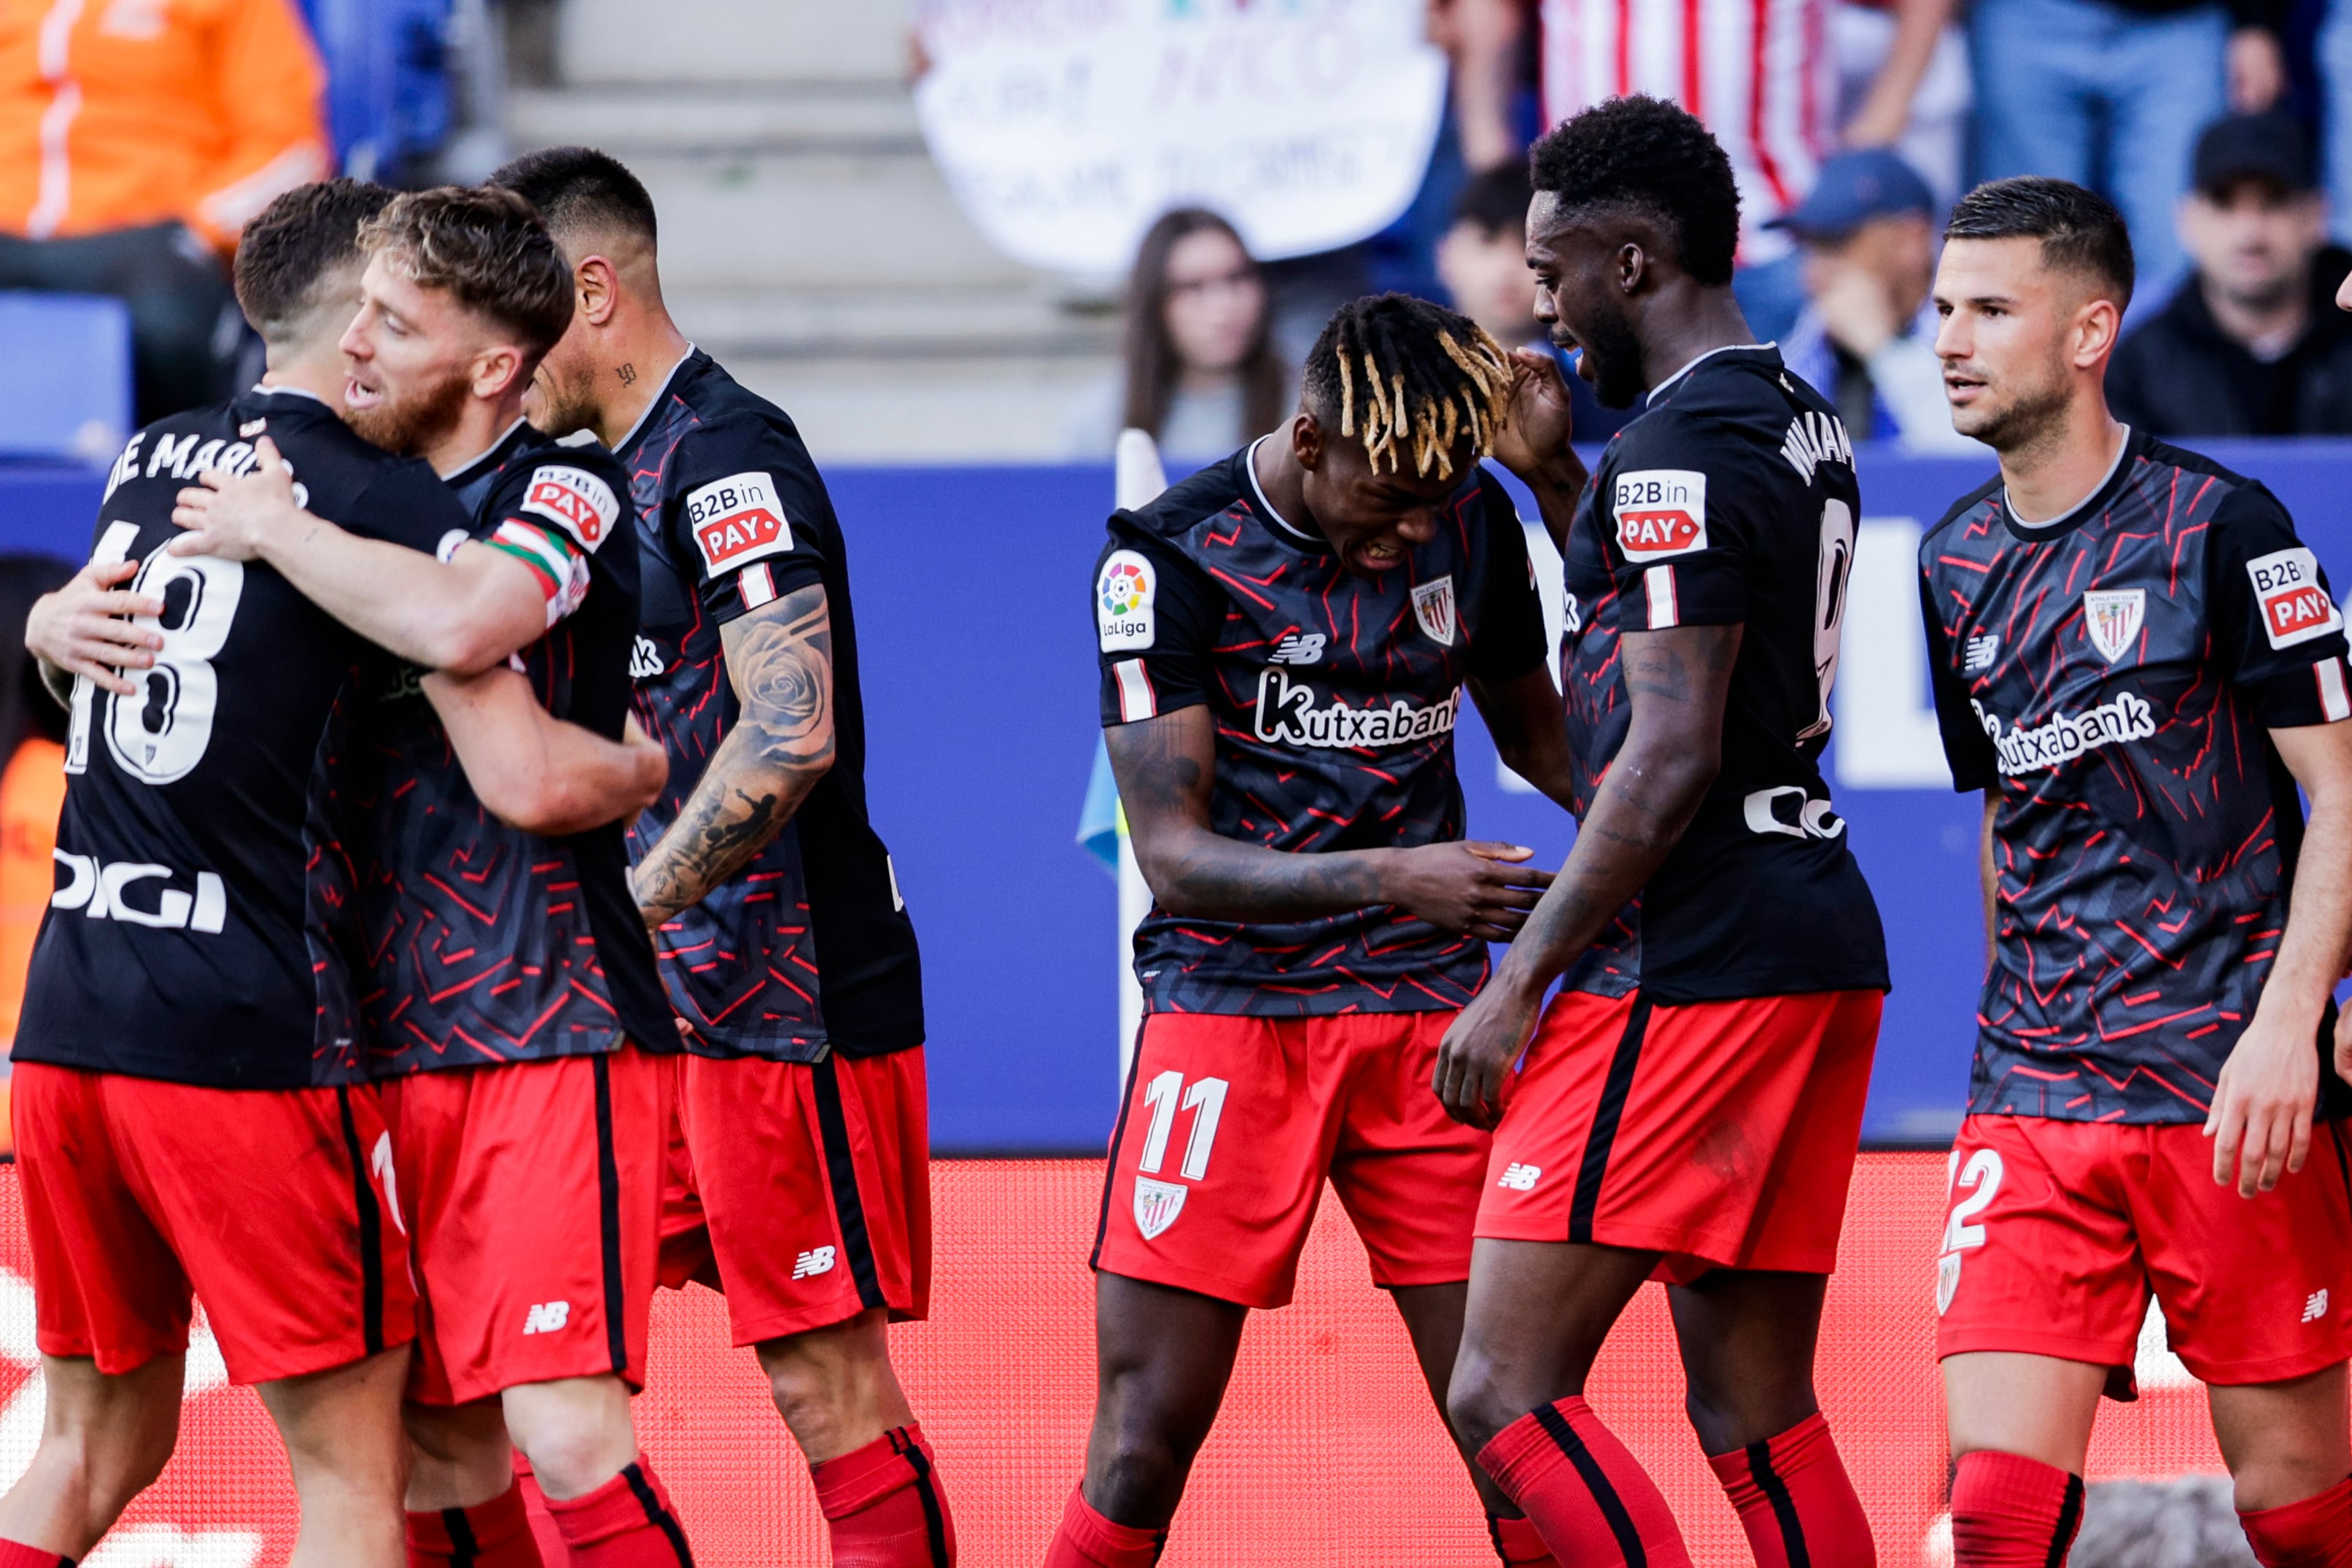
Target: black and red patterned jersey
{"x": 1592, "y": 684}
{"x": 1335, "y": 697}
{"x": 808, "y": 947}
{"x": 1731, "y": 501}
{"x": 180, "y": 943}
{"x": 2113, "y": 675}
{"x": 484, "y": 943}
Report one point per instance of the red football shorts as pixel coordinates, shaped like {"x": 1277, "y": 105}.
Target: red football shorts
{"x": 266, "y": 1202}
{"x": 534, "y": 1193}
{"x": 1721, "y": 1133}
{"x": 2056, "y": 1232}
{"x": 1230, "y": 1125}
{"x": 803, "y": 1190}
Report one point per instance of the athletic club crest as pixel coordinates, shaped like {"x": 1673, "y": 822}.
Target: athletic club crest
{"x": 2112, "y": 617}
{"x": 1433, "y": 607}
{"x": 1157, "y": 1204}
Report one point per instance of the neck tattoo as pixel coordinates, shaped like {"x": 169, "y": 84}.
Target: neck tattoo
{"x": 628, "y": 374}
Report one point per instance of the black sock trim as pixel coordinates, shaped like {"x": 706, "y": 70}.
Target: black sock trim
{"x": 1117, "y": 1136}
{"x": 927, "y": 1490}
{"x": 371, "y": 1227}
{"x": 1596, "y": 1481}
{"x": 1614, "y": 1091}
{"x": 463, "y": 1548}
{"x": 841, "y": 1172}
{"x": 608, "y": 1218}
{"x": 2069, "y": 1520}
{"x": 658, "y": 1516}
{"x": 1784, "y": 1507}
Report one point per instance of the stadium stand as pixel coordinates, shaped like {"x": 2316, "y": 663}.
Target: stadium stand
{"x": 65, "y": 376}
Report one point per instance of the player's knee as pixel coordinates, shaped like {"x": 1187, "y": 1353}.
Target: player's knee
{"x": 1138, "y": 1477}
{"x": 1479, "y": 1404}
{"x": 2288, "y": 1473}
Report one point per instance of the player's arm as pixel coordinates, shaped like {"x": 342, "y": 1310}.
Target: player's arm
{"x": 1678, "y": 681}
{"x": 1164, "y": 766}
{"x": 541, "y": 773}
{"x": 780, "y": 660}
{"x": 463, "y": 614}
{"x": 2262, "y": 1104}
{"x": 1529, "y": 731}
{"x": 84, "y": 630}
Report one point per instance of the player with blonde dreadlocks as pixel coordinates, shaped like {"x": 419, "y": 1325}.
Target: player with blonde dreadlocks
{"x": 1285, "y": 642}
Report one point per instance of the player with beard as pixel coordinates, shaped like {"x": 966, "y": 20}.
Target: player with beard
{"x": 1284, "y": 641}
{"x": 2137, "y": 662}
{"x": 804, "y": 1187}
{"x": 1689, "y": 1106}
{"x": 225, "y": 793}
{"x": 515, "y": 1006}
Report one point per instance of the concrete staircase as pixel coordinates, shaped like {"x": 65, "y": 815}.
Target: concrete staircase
{"x": 807, "y": 239}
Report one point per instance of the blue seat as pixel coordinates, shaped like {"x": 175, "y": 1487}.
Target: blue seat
{"x": 65, "y": 376}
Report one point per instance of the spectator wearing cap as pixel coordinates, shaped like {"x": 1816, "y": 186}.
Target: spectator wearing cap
{"x": 1866, "y": 336}
{"x": 2112, "y": 93}
{"x": 2247, "y": 345}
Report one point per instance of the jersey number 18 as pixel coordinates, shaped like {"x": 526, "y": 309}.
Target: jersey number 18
{"x": 160, "y": 734}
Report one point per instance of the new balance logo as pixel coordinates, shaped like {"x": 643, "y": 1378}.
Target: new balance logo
{"x": 547, "y": 1317}
{"x": 1982, "y": 649}
{"x": 1298, "y": 648}
{"x": 2315, "y": 1307}
{"x": 1521, "y": 1178}
{"x": 816, "y": 1261}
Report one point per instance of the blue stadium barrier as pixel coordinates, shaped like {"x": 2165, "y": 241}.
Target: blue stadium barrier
{"x": 387, "y": 64}
{"x": 978, "y": 675}
{"x": 65, "y": 376}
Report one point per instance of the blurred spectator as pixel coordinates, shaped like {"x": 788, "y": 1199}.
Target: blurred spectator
{"x": 2112, "y": 92}
{"x": 137, "y": 137}
{"x": 1866, "y": 339}
{"x": 1903, "y": 82}
{"x": 1483, "y": 261}
{"x": 1487, "y": 42}
{"x": 1201, "y": 373}
{"x": 2189, "y": 1521}
{"x": 2250, "y": 345}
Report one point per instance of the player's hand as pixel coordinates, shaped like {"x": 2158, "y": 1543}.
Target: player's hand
{"x": 84, "y": 628}
{"x": 652, "y": 760}
{"x": 2261, "y": 1120}
{"x": 1538, "y": 421}
{"x": 1855, "y": 311}
{"x": 231, "y": 517}
{"x": 1474, "y": 889}
{"x": 1474, "y": 1063}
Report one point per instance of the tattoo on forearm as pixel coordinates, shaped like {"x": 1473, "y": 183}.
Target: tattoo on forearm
{"x": 781, "y": 660}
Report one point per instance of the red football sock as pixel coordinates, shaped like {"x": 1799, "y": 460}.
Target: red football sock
{"x": 552, "y": 1552}
{"x": 1518, "y": 1544}
{"x": 1087, "y": 1540}
{"x": 625, "y": 1523}
{"x": 1593, "y": 1503}
{"x": 1795, "y": 1502}
{"x": 494, "y": 1534}
{"x": 884, "y": 1505}
{"x": 16, "y": 1555}
{"x": 2314, "y": 1533}
{"x": 2010, "y": 1511}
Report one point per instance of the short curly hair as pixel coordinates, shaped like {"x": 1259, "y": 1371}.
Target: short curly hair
{"x": 487, "y": 246}
{"x": 295, "y": 247}
{"x": 1651, "y": 157}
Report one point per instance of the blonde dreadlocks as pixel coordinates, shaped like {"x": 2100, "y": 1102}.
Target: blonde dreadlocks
{"x": 1404, "y": 376}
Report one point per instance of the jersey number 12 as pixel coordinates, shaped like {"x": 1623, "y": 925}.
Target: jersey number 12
{"x": 159, "y": 732}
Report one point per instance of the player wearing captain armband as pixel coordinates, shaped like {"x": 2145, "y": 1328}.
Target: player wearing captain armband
{"x": 515, "y": 1018}
{"x": 1285, "y": 640}
{"x": 1688, "y": 1105}
{"x": 2137, "y": 662}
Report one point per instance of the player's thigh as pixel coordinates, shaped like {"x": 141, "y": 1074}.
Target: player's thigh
{"x": 2041, "y": 1407}
{"x": 1409, "y": 1175}
{"x": 2255, "y": 1291}
{"x": 2282, "y": 1441}
{"x": 1537, "y": 1316}
{"x": 345, "y": 1422}
{"x": 1219, "y": 1153}
{"x": 1746, "y": 1340}
{"x": 1164, "y": 1357}
{"x": 125, "y": 1425}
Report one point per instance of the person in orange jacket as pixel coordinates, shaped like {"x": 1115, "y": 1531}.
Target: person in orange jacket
{"x": 137, "y": 137}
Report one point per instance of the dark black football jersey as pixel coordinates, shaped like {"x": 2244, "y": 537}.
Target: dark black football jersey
{"x": 2114, "y": 675}
{"x": 808, "y": 947}
{"x": 484, "y": 943}
{"x": 1335, "y": 697}
{"x": 1592, "y": 685}
{"x": 1732, "y": 501}
{"x": 180, "y": 943}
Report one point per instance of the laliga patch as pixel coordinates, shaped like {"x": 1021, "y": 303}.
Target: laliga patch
{"x": 1660, "y": 512}
{"x": 1433, "y": 607}
{"x": 574, "y": 500}
{"x": 737, "y": 519}
{"x": 1123, "y": 596}
{"x": 2295, "y": 608}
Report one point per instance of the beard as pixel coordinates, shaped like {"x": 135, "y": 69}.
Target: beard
{"x": 2017, "y": 424}
{"x": 404, "y": 424}
{"x": 559, "y": 404}
{"x": 1610, "y": 342}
